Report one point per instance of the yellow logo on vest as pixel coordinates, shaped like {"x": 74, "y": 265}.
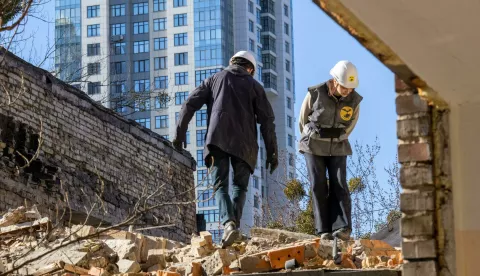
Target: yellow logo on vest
{"x": 346, "y": 113}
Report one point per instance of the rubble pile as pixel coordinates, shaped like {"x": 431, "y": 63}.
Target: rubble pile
{"x": 86, "y": 250}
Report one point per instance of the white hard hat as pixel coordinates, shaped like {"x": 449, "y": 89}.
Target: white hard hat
{"x": 248, "y": 56}
{"x": 345, "y": 73}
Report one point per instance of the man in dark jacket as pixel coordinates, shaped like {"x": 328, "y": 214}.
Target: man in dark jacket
{"x": 236, "y": 102}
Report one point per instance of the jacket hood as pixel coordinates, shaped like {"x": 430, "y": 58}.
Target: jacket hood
{"x": 237, "y": 70}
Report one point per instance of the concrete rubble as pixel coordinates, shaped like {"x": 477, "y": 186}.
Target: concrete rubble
{"x": 86, "y": 250}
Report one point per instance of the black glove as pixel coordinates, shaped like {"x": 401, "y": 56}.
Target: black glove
{"x": 272, "y": 161}
{"x": 178, "y": 144}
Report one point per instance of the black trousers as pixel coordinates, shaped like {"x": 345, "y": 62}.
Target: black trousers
{"x": 332, "y": 206}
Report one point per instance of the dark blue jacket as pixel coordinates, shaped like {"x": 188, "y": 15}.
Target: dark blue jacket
{"x": 236, "y": 102}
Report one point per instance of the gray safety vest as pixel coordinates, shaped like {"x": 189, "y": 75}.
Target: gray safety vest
{"x": 324, "y": 134}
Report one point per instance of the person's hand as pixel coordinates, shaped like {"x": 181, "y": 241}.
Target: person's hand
{"x": 177, "y": 144}
{"x": 272, "y": 161}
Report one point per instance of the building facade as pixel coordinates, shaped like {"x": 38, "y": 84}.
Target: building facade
{"x": 142, "y": 58}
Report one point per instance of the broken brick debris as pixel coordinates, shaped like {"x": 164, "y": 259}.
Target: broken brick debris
{"x": 26, "y": 235}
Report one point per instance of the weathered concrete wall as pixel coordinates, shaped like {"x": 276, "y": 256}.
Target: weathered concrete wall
{"x": 426, "y": 201}
{"x": 85, "y": 145}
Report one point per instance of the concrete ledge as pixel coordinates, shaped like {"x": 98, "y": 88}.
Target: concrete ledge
{"x": 317, "y": 272}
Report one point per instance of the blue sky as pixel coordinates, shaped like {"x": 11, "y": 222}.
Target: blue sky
{"x": 318, "y": 43}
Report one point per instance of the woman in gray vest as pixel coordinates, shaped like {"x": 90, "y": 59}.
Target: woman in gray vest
{"x": 328, "y": 115}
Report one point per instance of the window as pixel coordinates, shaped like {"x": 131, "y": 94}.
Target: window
{"x": 202, "y": 118}
{"x": 119, "y": 67}
{"x": 159, "y": 5}
{"x": 269, "y": 62}
{"x": 200, "y": 159}
{"x": 216, "y": 235}
{"x": 262, "y": 154}
{"x": 286, "y": 28}
{"x": 287, "y": 47}
{"x": 290, "y": 140}
{"x": 181, "y": 78}
{"x": 93, "y": 11}
{"x": 118, "y": 48}
{"x": 250, "y": 26}
{"x": 291, "y": 159}
{"x": 161, "y": 121}
{"x": 259, "y": 34}
{"x": 288, "y": 84}
{"x": 117, "y": 10}
{"x": 161, "y": 82}
{"x": 258, "y": 17}
{"x": 207, "y": 199}
{"x": 94, "y": 88}
{"x": 291, "y": 175}
{"x": 255, "y": 182}
{"x": 250, "y": 6}
{"x": 140, "y": 8}
{"x": 160, "y": 43}
{"x": 251, "y": 45}
{"x": 141, "y": 105}
{"x": 141, "y": 66}
{"x": 201, "y": 137}
{"x": 93, "y": 68}
{"x": 119, "y": 106}
{"x": 268, "y": 24}
{"x": 141, "y": 85}
{"x": 161, "y": 102}
{"x": 179, "y": 3}
{"x": 259, "y": 72}
{"x": 160, "y": 63}
{"x": 141, "y": 46}
{"x": 177, "y": 114}
{"x": 180, "y": 39}
{"x": 263, "y": 191}
{"x": 269, "y": 80}
{"x": 166, "y": 137}
{"x": 289, "y": 121}
{"x": 285, "y": 10}
{"x": 210, "y": 215}
{"x": 159, "y": 24}
{"x": 117, "y": 29}
{"x": 93, "y": 30}
{"x": 180, "y": 20}
{"x": 287, "y": 65}
{"x": 188, "y": 137}
{"x": 268, "y": 43}
{"x": 181, "y": 58}
{"x": 93, "y": 49}
{"x": 256, "y": 202}
{"x": 201, "y": 75}
{"x": 140, "y": 27}
{"x": 259, "y": 53}
{"x": 289, "y": 103}
{"x": 144, "y": 122}
{"x": 118, "y": 87}
{"x": 180, "y": 97}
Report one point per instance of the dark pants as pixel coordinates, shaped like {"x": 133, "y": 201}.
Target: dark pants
{"x": 229, "y": 211}
{"x": 332, "y": 205}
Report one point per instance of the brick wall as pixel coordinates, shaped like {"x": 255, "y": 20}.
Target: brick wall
{"x": 87, "y": 151}
{"x": 426, "y": 200}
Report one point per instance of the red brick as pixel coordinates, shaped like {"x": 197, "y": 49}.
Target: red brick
{"x": 411, "y": 128}
{"x": 409, "y": 104}
{"x": 417, "y": 201}
{"x": 418, "y": 152}
{"x": 416, "y": 176}
{"x": 414, "y": 226}
{"x": 419, "y": 249}
{"x": 426, "y": 268}
{"x": 400, "y": 85}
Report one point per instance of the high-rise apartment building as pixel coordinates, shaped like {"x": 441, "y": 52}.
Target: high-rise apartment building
{"x": 142, "y": 58}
